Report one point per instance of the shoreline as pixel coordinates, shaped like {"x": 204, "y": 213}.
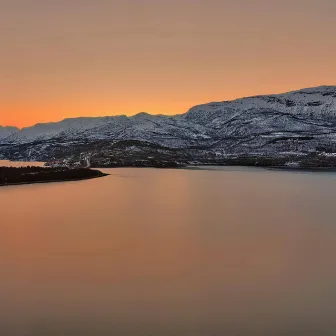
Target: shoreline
{"x": 53, "y": 181}
{"x": 15, "y": 176}
{"x": 274, "y": 168}
{"x": 206, "y": 166}
{"x": 305, "y": 169}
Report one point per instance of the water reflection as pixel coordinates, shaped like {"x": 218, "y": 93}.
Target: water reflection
{"x": 170, "y": 252}
{"x": 6, "y": 163}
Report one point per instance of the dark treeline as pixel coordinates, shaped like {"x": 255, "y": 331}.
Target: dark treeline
{"x": 9, "y": 175}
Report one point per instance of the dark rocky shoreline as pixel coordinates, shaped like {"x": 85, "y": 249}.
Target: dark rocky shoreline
{"x": 304, "y": 162}
{"x": 31, "y": 175}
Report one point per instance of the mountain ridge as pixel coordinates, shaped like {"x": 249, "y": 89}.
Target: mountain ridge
{"x": 298, "y": 122}
{"x": 324, "y": 87}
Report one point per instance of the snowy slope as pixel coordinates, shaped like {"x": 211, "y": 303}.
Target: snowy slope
{"x": 159, "y": 129}
{"x": 5, "y": 132}
{"x": 262, "y": 124}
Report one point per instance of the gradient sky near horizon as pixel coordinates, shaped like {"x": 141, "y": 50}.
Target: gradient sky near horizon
{"x": 69, "y": 58}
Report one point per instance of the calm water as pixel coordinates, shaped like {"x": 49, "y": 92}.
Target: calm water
{"x": 20, "y": 164}
{"x": 170, "y": 252}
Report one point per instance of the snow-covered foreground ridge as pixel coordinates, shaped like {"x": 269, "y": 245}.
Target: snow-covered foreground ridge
{"x": 298, "y": 120}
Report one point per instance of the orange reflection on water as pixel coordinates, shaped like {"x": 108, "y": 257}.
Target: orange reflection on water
{"x": 169, "y": 252}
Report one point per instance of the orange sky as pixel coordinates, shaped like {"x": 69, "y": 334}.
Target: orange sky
{"x": 70, "y": 58}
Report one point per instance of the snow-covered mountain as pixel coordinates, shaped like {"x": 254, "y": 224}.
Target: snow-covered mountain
{"x": 297, "y": 121}
{"x": 5, "y": 132}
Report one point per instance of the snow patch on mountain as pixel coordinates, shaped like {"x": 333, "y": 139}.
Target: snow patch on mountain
{"x": 303, "y": 120}
{"x": 5, "y": 132}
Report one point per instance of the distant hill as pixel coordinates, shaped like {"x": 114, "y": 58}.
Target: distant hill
{"x": 6, "y": 132}
{"x": 294, "y": 123}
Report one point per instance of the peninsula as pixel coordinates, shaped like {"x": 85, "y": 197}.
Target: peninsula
{"x": 29, "y": 175}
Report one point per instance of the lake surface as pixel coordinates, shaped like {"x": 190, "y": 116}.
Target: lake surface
{"x": 20, "y": 164}
{"x": 153, "y": 252}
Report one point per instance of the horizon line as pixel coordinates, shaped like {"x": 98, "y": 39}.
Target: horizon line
{"x": 160, "y": 114}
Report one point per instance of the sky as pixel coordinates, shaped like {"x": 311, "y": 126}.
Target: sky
{"x": 70, "y": 58}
